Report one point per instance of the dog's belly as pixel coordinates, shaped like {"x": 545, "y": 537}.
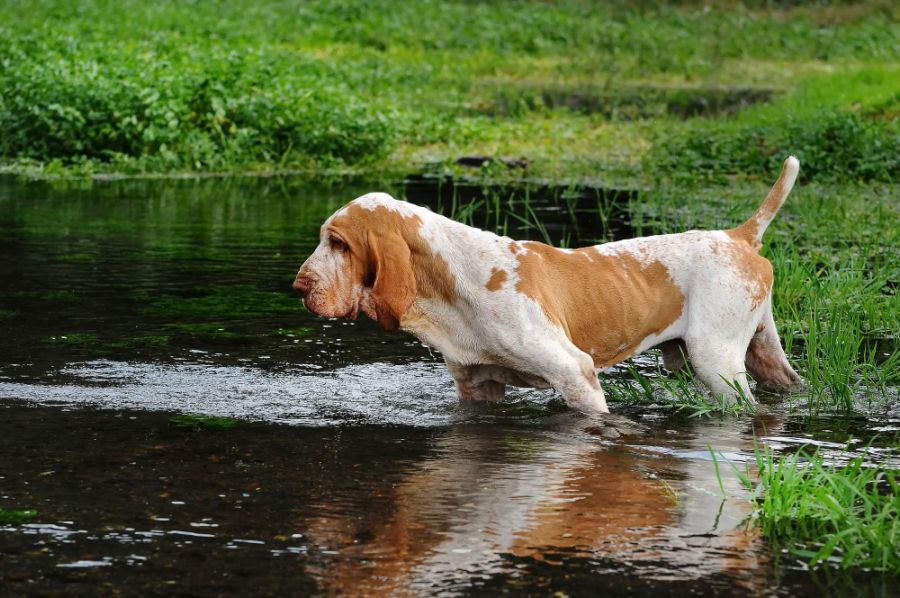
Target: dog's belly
{"x": 620, "y": 349}
{"x": 504, "y": 375}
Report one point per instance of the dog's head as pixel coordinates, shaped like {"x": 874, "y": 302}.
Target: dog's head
{"x": 363, "y": 262}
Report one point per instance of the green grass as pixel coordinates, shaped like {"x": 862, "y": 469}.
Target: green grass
{"x": 17, "y": 517}
{"x": 846, "y": 515}
{"x": 581, "y": 89}
{"x": 839, "y": 126}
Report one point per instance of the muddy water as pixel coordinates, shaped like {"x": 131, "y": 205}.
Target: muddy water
{"x": 351, "y": 469}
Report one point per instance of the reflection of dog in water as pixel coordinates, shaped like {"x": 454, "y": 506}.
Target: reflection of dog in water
{"x": 505, "y": 312}
{"x": 482, "y": 500}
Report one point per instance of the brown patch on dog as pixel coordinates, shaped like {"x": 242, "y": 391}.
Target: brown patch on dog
{"x": 608, "y": 303}
{"x": 747, "y": 233}
{"x": 767, "y": 363}
{"x": 498, "y": 277}
{"x": 389, "y": 256}
{"x": 769, "y": 369}
{"x": 754, "y": 269}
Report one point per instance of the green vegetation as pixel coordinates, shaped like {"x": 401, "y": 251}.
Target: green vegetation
{"x": 204, "y": 330}
{"x": 219, "y": 303}
{"x": 294, "y": 332}
{"x": 16, "y": 517}
{"x": 75, "y": 339}
{"x": 678, "y": 390}
{"x": 579, "y": 89}
{"x": 849, "y": 514}
{"x": 839, "y": 126}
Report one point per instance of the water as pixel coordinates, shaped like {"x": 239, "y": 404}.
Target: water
{"x": 353, "y": 470}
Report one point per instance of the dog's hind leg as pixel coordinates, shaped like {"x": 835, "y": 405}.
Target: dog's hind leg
{"x": 767, "y": 362}
{"x": 719, "y": 363}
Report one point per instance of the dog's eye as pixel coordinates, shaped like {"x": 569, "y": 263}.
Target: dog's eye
{"x": 338, "y": 244}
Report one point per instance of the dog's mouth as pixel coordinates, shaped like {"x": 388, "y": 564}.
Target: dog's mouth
{"x": 308, "y": 307}
{"x": 350, "y": 314}
{"x": 354, "y": 311}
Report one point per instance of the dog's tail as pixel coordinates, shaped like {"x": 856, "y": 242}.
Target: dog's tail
{"x": 752, "y": 230}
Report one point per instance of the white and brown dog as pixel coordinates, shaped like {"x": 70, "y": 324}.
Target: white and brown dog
{"x": 527, "y": 314}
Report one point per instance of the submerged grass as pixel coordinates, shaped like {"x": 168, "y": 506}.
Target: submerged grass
{"x": 848, "y": 515}
{"x": 17, "y": 517}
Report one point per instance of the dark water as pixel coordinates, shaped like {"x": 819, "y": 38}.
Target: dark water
{"x": 352, "y": 469}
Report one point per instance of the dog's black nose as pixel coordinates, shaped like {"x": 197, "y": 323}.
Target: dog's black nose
{"x": 302, "y": 284}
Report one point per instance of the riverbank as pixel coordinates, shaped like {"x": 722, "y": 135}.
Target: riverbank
{"x": 573, "y": 91}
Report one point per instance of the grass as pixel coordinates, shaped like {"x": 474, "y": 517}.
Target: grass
{"x": 17, "y": 517}
{"x": 847, "y": 516}
{"x": 582, "y": 90}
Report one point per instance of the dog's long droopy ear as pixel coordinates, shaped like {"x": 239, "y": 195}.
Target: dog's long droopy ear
{"x": 395, "y": 282}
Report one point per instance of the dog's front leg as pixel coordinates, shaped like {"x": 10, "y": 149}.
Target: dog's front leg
{"x": 570, "y": 371}
{"x": 580, "y": 389}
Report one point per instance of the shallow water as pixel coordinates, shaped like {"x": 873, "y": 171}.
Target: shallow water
{"x": 353, "y": 469}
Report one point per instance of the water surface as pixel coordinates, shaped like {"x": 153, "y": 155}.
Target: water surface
{"x": 351, "y": 469}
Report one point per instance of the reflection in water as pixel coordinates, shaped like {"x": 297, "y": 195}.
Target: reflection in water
{"x": 484, "y": 497}
{"x": 134, "y": 300}
{"x": 551, "y": 500}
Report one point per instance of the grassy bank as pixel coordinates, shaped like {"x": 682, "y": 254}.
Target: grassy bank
{"x": 847, "y": 516}
{"x": 579, "y": 89}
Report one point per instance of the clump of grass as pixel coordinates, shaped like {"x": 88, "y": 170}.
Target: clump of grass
{"x": 842, "y": 136}
{"x": 679, "y": 390}
{"x": 17, "y": 517}
{"x": 834, "y": 310}
{"x": 198, "y": 421}
{"x": 141, "y": 105}
{"x": 848, "y": 515}
{"x": 75, "y": 339}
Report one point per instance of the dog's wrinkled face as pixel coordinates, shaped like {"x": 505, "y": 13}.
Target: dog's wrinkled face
{"x": 362, "y": 263}
{"x": 331, "y": 279}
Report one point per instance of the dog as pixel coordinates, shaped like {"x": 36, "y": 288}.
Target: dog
{"x": 522, "y": 313}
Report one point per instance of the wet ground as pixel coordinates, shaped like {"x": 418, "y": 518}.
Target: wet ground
{"x": 349, "y": 468}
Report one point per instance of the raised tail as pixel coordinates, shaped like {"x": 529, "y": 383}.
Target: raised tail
{"x": 752, "y": 230}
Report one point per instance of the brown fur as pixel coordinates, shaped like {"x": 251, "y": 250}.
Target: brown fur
{"x": 755, "y": 269}
{"x": 752, "y": 230}
{"x": 495, "y": 282}
{"x": 610, "y": 303}
{"x": 767, "y": 363}
{"x": 389, "y": 255}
